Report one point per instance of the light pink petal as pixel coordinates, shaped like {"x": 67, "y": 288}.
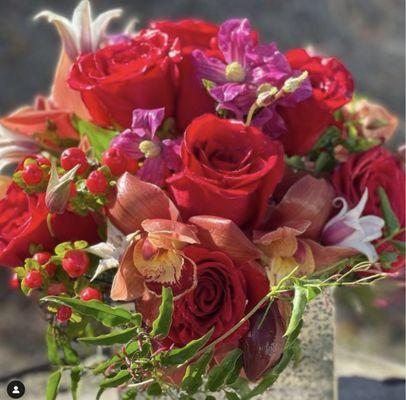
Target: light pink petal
{"x": 137, "y": 201}
{"x": 224, "y": 235}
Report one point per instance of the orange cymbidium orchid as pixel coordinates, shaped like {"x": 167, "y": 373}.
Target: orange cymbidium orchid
{"x": 295, "y": 226}
{"x": 155, "y": 257}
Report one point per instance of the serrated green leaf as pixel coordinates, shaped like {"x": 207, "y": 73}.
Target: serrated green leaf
{"x": 107, "y": 315}
{"x": 154, "y": 389}
{"x": 52, "y": 347}
{"x": 98, "y": 137}
{"x": 117, "y": 380}
{"x": 115, "y": 337}
{"x": 299, "y": 305}
{"x": 192, "y": 379}
{"x": 183, "y": 354}
{"x": 391, "y": 221}
{"x": 162, "y": 324}
{"x": 75, "y": 374}
{"x": 221, "y": 372}
{"x": 53, "y": 385}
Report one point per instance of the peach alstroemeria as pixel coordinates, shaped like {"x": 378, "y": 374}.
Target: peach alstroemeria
{"x": 296, "y": 224}
{"x": 349, "y": 229}
{"x": 155, "y": 257}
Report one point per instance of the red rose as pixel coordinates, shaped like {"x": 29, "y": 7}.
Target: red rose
{"x": 230, "y": 170}
{"x": 192, "y": 98}
{"x": 371, "y": 170}
{"x": 115, "y": 80}
{"x": 332, "y": 88}
{"x": 219, "y": 299}
{"x": 23, "y": 221}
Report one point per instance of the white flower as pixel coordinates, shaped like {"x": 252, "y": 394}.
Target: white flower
{"x": 110, "y": 252}
{"x": 14, "y": 147}
{"x": 82, "y": 34}
{"x": 349, "y": 229}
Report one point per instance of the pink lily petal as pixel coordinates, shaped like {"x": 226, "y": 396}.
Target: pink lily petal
{"x": 224, "y": 235}
{"x": 137, "y": 201}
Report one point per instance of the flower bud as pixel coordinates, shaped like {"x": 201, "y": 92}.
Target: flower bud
{"x": 293, "y": 83}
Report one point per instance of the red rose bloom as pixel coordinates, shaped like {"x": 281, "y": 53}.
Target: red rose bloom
{"x": 230, "y": 170}
{"x": 192, "y": 98}
{"x": 221, "y": 298}
{"x": 23, "y": 222}
{"x": 372, "y": 169}
{"x": 333, "y": 87}
{"x": 118, "y": 78}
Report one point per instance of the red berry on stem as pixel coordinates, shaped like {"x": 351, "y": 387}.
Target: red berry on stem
{"x": 72, "y": 157}
{"x": 55, "y": 289}
{"x": 33, "y": 280}
{"x": 75, "y": 263}
{"x": 90, "y": 293}
{"x": 63, "y": 313}
{"x": 43, "y": 258}
{"x": 116, "y": 160}
{"x": 32, "y": 174}
{"x": 96, "y": 182}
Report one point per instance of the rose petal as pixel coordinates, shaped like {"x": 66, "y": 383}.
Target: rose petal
{"x": 137, "y": 201}
{"x": 223, "y": 234}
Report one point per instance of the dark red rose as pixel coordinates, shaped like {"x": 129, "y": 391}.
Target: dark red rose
{"x": 118, "y": 78}
{"x": 371, "y": 170}
{"x": 221, "y": 298}
{"x": 192, "y": 98}
{"x": 23, "y": 221}
{"x": 333, "y": 87}
{"x": 230, "y": 170}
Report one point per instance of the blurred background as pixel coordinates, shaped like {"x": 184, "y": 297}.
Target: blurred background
{"x": 367, "y": 35}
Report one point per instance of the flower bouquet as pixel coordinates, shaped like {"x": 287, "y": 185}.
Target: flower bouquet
{"x": 183, "y": 193}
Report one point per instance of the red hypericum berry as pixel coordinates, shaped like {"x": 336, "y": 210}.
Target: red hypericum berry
{"x": 132, "y": 166}
{"x": 75, "y": 263}
{"x": 74, "y": 156}
{"x": 116, "y": 160}
{"x": 13, "y": 282}
{"x": 55, "y": 289}
{"x": 90, "y": 293}
{"x": 32, "y": 174}
{"x": 63, "y": 313}
{"x": 72, "y": 190}
{"x": 33, "y": 280}
{"x": 43, "y": 258}
{"x": 43, "y": 161}
{"x": 96, "y": 182}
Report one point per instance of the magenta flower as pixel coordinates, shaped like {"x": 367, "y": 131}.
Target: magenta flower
{"x": 141, "y": 143}
{"x": 247, "y": 71}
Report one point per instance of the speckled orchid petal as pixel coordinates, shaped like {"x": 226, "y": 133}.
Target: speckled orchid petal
{"x": 137, "y": 201}
{"x": 308, "y": 199}
{"x": 223, "y": 234}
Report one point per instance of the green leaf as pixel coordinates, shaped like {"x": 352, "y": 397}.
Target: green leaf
{"x": 232, "y": 396}
{"x": 99, "y": 138}
{"x": 53, "y": 385}
{"x": 400, "y": 245}
{"x": 324, "y": 162}
{"x": 117, "y": 380}
{"x": 391, "y": 221}
{"x": 312, "y": 293}
{"x": 107, "y": 315}
{"x": 70, "y": 355}
{"x": 74, "y": 381}
{"x": 129, "y": 395}
{"x": 183, "y": 354}
{"x": 115, "y": 337}
{"x": 154, "y": 389}
{"x": 162, "y": 324}
{"x": 192, "y": 379}
{"x": 220, "y": 373}
{"x": 299, "y": 305}
{"x": 52, "y": 347}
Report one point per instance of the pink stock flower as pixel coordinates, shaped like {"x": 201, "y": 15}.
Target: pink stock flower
{"x": 140, "y": 142}
{"x": 349, "y": 229}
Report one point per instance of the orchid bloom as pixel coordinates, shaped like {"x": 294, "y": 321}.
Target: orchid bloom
{"x": 155, "y": 256}
{"x": 250, "y": 73}
{"x": 349, "y": 229}
{"x": 141, "y": 142}
{"x": 14, "y": 147}
{"x": 82, "y": 34}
